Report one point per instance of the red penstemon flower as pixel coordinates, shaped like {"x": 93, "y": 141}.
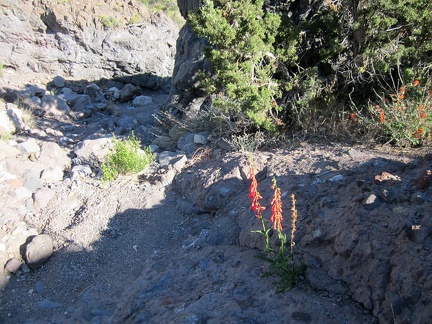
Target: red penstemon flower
{"x": 255, "y": 195}
{"x": 276, "y": 216}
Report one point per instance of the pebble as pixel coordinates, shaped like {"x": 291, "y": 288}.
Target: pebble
{"x": 48, "y": 304}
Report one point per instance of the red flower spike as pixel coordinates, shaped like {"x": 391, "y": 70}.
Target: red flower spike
{"x": 276, "y": 216}
{"x": 255, "y": 195}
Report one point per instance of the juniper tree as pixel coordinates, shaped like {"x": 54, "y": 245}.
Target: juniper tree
{"x": 245, "y": 56}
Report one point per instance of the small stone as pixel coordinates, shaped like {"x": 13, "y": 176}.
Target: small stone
{"x": 39, "y": 287}
{"x": 354, "y": 154}
{"x": 80, "y": 171}
{"x": 127, "y": 122}
{"x": 336, "y": 178}
{"x": 48, "y": 304}
{"x": 54, "y": 106}
{"x": 371, "y": 202}
{"x": 179, "y": 163}
{"x": 165, "y": 158}
{"x": 32, "y": 180}
{"x": 7, "y": 151}
{"x": 25, "y": 268}
{"x": 95, "y": 93}
{"x": 200, "y": 139}
{"x": 164, "y": 142}
{"x": 37, "y": 250}
{"x": 13, "y": 265}
{"x": 59, "y": 81}
{"x": 53, "y": 132}
{"x": 168, "y": 177}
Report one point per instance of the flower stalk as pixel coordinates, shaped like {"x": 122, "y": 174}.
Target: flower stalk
{"x": 282, "y": 265}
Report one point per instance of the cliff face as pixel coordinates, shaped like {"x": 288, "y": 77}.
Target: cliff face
{"x": 89, "y": 40}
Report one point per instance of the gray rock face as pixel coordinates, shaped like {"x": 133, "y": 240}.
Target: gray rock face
{"x": 189, "y": 61}
{"x": 74, "y": 39}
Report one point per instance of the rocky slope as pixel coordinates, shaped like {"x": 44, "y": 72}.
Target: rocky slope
{"x": 175, "y": 243}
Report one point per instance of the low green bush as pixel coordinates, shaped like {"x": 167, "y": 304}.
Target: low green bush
{"x": 109, "y": 22}
{"x": 169, "y": 7}
{"x": 127, "y": 158}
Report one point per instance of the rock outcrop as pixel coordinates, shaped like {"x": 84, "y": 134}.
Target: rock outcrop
{"x": 88, "y": 40}
{"x": 186, "y": 95}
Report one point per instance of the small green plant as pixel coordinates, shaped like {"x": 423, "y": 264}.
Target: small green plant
{"x": 169, "y": 7}
{"x": 136, "y": 19}
{"x": 1, "y": 69}
{"x": 5, "y": 136}
{"x": 405, "y": 114}
{"x": 282, "y": 264}
{"x": 109, "y": 22}
{"x": 126, "y": 158}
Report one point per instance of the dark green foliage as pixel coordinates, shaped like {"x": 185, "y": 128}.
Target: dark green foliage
{"x": 282, "y": 267}
{"x": 315, "y": 63}
{"x": 242, "y": 38}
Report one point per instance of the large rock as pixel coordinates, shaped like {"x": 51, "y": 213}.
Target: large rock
{"x": 94, "y": 150}
{"x": 88, "y": 40}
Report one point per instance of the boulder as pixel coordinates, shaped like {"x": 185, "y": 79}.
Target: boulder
{"x": 129, "y": 92}
{"x": 37, "y": 250}
{"x": 54, "y": 106}
{"x": 16, "y": 115}
{"x": 29, "y": 148}
{"x": 95, "y": 94}
{"x": 94, "y": 150}
{"x": 141, "y": 101}
{"x": 113, "y": 93}
{"x": 50, "y": 151}
{"x": 7, "y": 126}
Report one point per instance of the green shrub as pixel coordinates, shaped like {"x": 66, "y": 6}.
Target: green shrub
{"x": 136, "y": 19}
{"x": 305, "y": 69}
{"x": 243, "y": 51}
{"x": 109, "y": 21}
{"x": 1, "y": 69}
{"x": 127, "y": 158}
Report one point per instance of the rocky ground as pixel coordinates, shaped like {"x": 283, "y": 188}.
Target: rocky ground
{"x": 174, "y": 243}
